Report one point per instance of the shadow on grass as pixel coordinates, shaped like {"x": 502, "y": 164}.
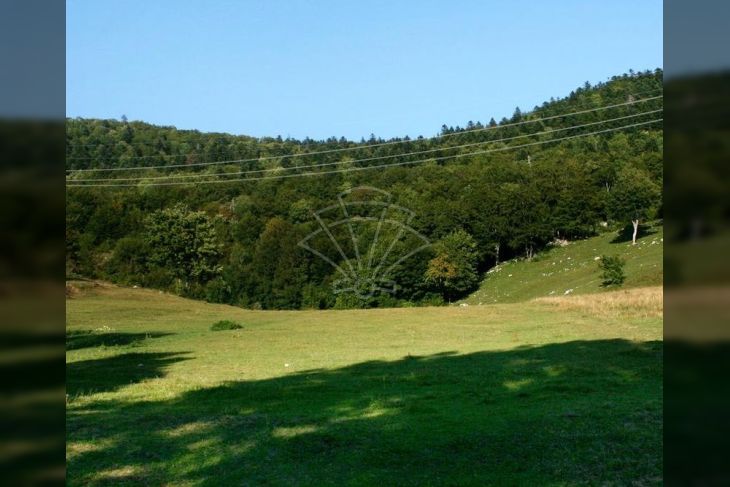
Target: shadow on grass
{"x": 584, "y": 412}
{"x": 108, "y": 374}
{"x": 78, "y": 339}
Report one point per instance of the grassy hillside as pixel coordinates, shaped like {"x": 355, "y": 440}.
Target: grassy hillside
{"x": 561, "y": 391}
{"x": 573, "y": 269}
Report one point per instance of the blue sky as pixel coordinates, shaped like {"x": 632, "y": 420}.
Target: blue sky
{"x": 324, "y": 68}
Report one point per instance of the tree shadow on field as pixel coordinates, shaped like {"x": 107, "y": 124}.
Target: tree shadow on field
{"x": 108, "y": 374}
{"x": 584, "y": 412}
{"x": 78, "y": 339}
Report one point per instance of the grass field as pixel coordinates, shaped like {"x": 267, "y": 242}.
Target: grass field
{"x": 556, "y": 392}
{"x": 573, "y": 269}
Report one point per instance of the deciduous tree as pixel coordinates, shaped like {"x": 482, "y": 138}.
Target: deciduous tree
{"x": 633, "y": 198}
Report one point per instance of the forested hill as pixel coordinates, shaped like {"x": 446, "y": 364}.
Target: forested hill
{"x": 92, "y": 143}
{"x": 489, "y": 190}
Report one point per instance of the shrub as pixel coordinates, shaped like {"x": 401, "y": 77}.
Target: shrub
{"x": 349, "y": 300}
{"x": 158, "y": 278}
{"x": 613, "y": 270}
{"x": 217, "y": 291}
{"x": 432, "y": 299}
{"x": 225, "y": 325}
{"x": 128, "y": 261}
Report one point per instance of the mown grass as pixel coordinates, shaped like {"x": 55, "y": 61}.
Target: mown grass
{"x": 573, "y": 269}
{"x": 538, "y": 393}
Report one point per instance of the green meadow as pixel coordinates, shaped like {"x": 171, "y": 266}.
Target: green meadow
{"x": 573, "y": 268}
{"x": 558, "y": 391}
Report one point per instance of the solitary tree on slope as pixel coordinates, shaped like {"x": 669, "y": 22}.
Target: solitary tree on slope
{"x": 633, "y": 198}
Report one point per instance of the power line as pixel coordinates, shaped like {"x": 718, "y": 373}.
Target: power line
{"x": 359, "y": 147}
{"x": 256, "y": 171}
{"x": 380, "y": 166}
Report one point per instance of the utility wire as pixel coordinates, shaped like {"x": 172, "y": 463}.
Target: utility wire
{"x": 406, "y": 154}
{"x": 364, "y": 168}
{"x": 358, "y": 147}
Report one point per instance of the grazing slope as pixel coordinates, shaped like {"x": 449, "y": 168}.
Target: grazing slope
{"x": 573, "y": 269}
{"x": 560, "y": 391}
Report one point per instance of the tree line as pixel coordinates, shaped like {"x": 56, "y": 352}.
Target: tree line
{"x": 237, "y": 242}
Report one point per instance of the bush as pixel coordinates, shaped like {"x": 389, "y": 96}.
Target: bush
{"x": 217, "y": 291}
{"x": 431, "y": 299}
{"x": 613, "y": 270}
{"x": 225, "y": 325}
{"x": 128, "y": 262}
{"x": 349, "y": 300}
{"x": 158, "y": 278}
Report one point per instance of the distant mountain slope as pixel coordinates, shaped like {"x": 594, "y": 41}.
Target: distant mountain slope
{"x": 573, "y": 269}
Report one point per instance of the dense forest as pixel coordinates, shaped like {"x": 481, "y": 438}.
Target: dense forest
{"x": 221, "y": 217}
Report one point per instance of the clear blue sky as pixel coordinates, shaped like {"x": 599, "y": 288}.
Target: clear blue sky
{"x": 323, "y": 68}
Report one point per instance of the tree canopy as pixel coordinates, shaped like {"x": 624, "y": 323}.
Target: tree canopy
{"x": 236, "y": 242}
